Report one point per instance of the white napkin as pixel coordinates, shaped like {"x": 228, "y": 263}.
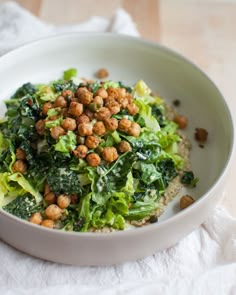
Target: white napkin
{"x": 202, "y": 263}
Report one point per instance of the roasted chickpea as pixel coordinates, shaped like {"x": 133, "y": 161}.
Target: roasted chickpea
{"x": 111, "y": 124}
{"x": 53, "y": 212}
{"x": 134, "y": 129}
{"x": 124, "y": 125}
{"x": 56, "y": 132}
{"x": 40, "y": 127}
{"x": 102, "y": 73}
{"x": 63, "y": 201}
{"x": 103, "y": 114}
{"x": 48, "y": 223}
{"x": 85, "y": 129}
{"x": 68, "y": 94}
{"x": 98, "y": 100}
{"x": 69, "y": 124}
{"x": 99, "y": 128}
{"x": 113, "y": 92}
{"x": 46, "y": 107}
{"x": 89, "y": 114}
{"x": 19, "y": 166}
{"x": 50, "y": 198}
{"x": 130, "y": 98}
{"x": 124, "y": 146}
{"x": 102, "y": 92}
{"x": 82, "y": 119}
{"x": 60, "y": 102}
{"x": 80, "y": 151}
{"x": 201, "y": 135}
{"x": 36, "y": 218}
{"x": 181, "y": 121}
{"x": 122, "y": 92}
{"x": 20, "y": 154}
{"x": 75, "y": 109}
{"x": 92, "y": 142}
{"x": 110, "y": 154}
{"x": 114, "y": 107}
{"x": 93, "y": 159}
{"x": 65, "y": 113}
{"x": 109, "y": 99}
{"x": 84, "y": 96}
{"x": 123, "y": 101}
{"x": 132, "y": 109}
{"x": 186, "y": 201}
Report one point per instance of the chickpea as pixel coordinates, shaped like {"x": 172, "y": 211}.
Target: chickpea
{"x": 103, "y": 114}
{"x": 60, "y": 102}
{"x": 75, "y": 109}
{"x": 69, "y": 124}
{"x": 98, "y": 100}
{"x": 111, "y": 124}
{"x": 201, "y": 134}
{"x": 124, "y": 125}
{"x": 93, "y": 159}
{"x": 84, "y": 96}
{"x": 85, "y": 129}
{"x": 114, "y": 107}
{"x": 46, "y": 189}
{"x": 20, "y": 154}
{"x": 68, "y": 94}
{"x": 48, "y": 223}
{"x": 57, "y": 131}
{"x": 134, "y": 129}
{"x": 181, "y": 121}
{"x": 110, "y": 154}
{"x": 40, "y": 127}
{"x": 19, "y": 166}
{"x": 63, "y": 201}
{"x": 99, "y": 128}
{"x": 124, "y": 146}
{"x": 46, "y": 107}
{"x": 36, "y": 218}
{"x": 50, "y": 198}
{"x": 122, "y": 92}
{"x": 102, "y": 92}
{"x": 80, "y": 151}
{"x": 113, "y": 92}
{"x": 82, "y": 119}
{"x": 109, "y": 99}
{"x": 53, "y": 212}
{"x": 186, "y": 201}
{"x": 102, "y": 73}
{"x": 123, "y": 101}
{"x": 132, "y": 109}
{"x": 92, "y": 142}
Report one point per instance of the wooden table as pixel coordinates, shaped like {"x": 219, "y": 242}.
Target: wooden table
{"x": 203, "y": 31}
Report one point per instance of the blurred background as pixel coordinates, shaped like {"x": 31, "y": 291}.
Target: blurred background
{"x": 202, "y": 30}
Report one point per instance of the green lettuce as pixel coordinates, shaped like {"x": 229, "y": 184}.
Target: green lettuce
{"x": 66, "y": 143}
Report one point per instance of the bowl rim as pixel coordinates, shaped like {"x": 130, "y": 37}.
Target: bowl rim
{"x": 178, "y": 215}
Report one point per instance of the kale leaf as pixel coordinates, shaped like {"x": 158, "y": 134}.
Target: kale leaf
{"x": 61, "y": 85}
{"x": 23, "y": 206}
{"x": 188, "y": 178}
{"x": 25, "y": 89}
{"x": 168, "y": 170}
{"x": 64, "y": 180}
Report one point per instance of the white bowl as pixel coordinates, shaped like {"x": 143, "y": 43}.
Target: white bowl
{"x": 127, "y": 59}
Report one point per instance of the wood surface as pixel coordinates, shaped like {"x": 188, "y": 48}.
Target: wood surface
{"x": 203, "y": 31}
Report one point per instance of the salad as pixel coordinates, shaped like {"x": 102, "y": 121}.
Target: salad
{"x": 80, "y": 155}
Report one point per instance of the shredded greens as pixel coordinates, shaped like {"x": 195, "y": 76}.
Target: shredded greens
{"x": 111, "y": 194}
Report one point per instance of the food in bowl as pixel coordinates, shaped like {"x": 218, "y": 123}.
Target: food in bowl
{"x": 82, "y": 155}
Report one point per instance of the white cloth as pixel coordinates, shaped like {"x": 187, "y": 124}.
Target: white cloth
{"x": 204, "y": 262}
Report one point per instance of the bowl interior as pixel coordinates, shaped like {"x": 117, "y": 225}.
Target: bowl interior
{"x": 129, "y": 60}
